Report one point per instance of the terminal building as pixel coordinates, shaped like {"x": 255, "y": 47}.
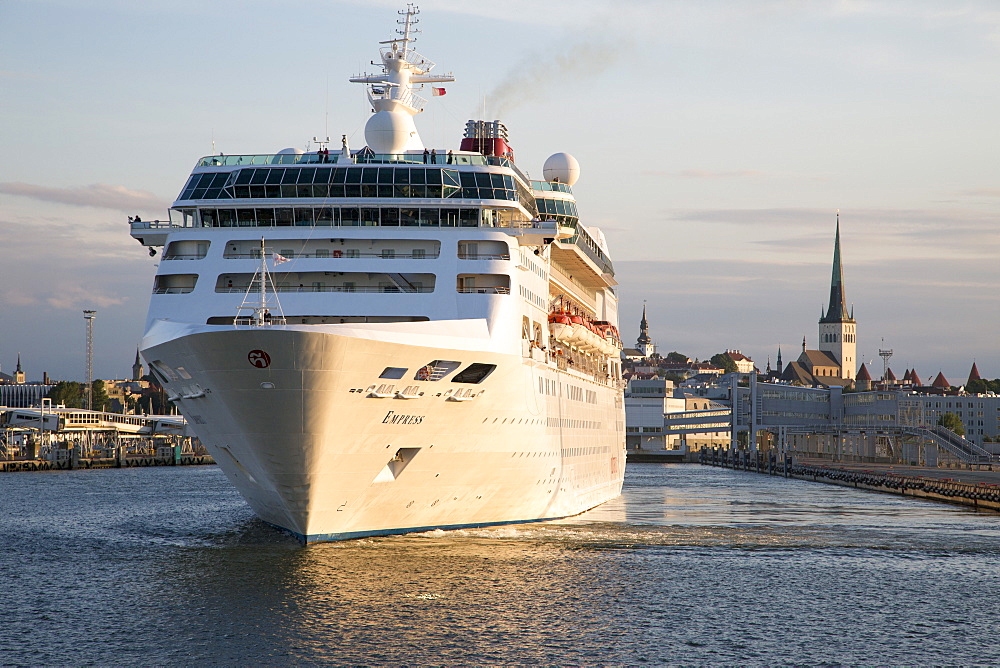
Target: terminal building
{"x": 16, "y": 392}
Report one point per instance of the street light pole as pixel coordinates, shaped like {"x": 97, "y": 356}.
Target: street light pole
{"x": 89, "y": 316}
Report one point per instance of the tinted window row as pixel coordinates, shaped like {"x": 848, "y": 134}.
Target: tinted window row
{"x": 556, "y": 207}
{"x": 348, "y": 216}
{"x": 337, "y": 182}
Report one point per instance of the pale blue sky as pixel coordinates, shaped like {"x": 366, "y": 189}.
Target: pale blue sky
{"x": 716, "y": 141}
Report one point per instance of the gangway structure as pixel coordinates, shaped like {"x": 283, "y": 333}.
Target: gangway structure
{"x": 61, "y": 419}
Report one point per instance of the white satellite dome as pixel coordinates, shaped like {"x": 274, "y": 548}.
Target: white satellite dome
{"x": 561, "y": 167}
{"x": 389, "y": 131}
{"x": 291, "y": 151}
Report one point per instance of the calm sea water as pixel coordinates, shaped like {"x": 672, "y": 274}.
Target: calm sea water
{"x": 692, "y": 565}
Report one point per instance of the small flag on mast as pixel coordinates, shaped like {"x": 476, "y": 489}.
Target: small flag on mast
{"x": 438, "y": 91}
{"x": 278, "y": 259}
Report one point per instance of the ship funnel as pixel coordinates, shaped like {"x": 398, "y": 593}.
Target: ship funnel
{"x": 488, "y": 138}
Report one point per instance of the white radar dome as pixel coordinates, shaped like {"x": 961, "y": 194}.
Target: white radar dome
{"x": 291, "y": 151}
{"x": 389, "y": 131}
{"x": 561, "y": 167}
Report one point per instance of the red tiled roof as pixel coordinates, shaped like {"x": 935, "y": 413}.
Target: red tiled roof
{"x": 941, "y": 382}
{"x": 890, "y": 377}
{"x": 863, "y": 373}
{"x": 974, "y": 374}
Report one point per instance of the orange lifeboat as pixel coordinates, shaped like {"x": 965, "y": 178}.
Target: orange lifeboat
{"x": 560, "y": 325}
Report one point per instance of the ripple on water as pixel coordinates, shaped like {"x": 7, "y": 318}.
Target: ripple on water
{"x": 691, "y": 565}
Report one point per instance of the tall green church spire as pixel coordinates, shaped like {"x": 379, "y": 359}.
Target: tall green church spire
{"x": 837, "y": 311}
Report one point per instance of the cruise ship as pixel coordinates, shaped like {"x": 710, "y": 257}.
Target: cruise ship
{"x": 395, "y": 338}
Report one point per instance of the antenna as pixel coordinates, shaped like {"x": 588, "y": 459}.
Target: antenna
{"x": 410, "y": 19}
{"x": 89, "y": 316}
{"x": 885, "y": 354}
{"x": 260, "y": 315}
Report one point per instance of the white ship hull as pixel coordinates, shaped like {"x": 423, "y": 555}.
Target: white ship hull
{"x": 376, "y": 341}
{"x": 319, "y": 455}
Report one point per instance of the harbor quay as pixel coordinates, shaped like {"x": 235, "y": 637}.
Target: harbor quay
{"x": 976, "y": 486}
{"x": 48, "y": 438}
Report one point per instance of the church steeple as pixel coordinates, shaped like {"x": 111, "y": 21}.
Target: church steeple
{"x": 18, "y": 374}
{"x": 137, "y": 370}
{"x": 837, "y": 329}
{"x": 644, "y": 343}
{"x": 837, "y": 310}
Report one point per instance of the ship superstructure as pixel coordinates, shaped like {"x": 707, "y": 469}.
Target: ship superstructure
{"x": 394, "y": 338}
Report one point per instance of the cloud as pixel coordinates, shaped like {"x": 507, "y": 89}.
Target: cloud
{"x": 791, "y": 217}
{"x": 972, "y": 224}
{"x": 557, "y": 12}
{"x": 708, "y": 174}
{"x": 98, "y": 195}
{"x": 981, "y": 192}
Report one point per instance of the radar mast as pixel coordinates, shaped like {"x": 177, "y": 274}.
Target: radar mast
{"x": 391, "y": 129}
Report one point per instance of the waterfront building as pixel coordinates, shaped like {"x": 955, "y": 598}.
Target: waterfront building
{"x": 646, "y": 402}
{"x": 17, "y": 392}
{"x": 743, "y": 363}
{"x": 660, "y": 417}
{"x": 123, "y": 395}
{"x": 979, "y": 413}
{"x": 23, "y": 395}
{"x": 774, "y": 407}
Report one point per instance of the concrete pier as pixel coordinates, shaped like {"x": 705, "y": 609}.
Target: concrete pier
{"x": 978, "y": 489}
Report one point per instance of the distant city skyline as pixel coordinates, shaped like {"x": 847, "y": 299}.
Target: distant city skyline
{"x": 716, "y": 142}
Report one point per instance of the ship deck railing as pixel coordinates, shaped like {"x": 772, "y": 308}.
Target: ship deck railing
{"x": 483, "y": 256}
{"x": 256, "y": 322}
{"x": 153, "y": 224}
{"x": 485, "y": 291}
{"x": 545, "y": 225}
{"x": 361, "y": 158}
